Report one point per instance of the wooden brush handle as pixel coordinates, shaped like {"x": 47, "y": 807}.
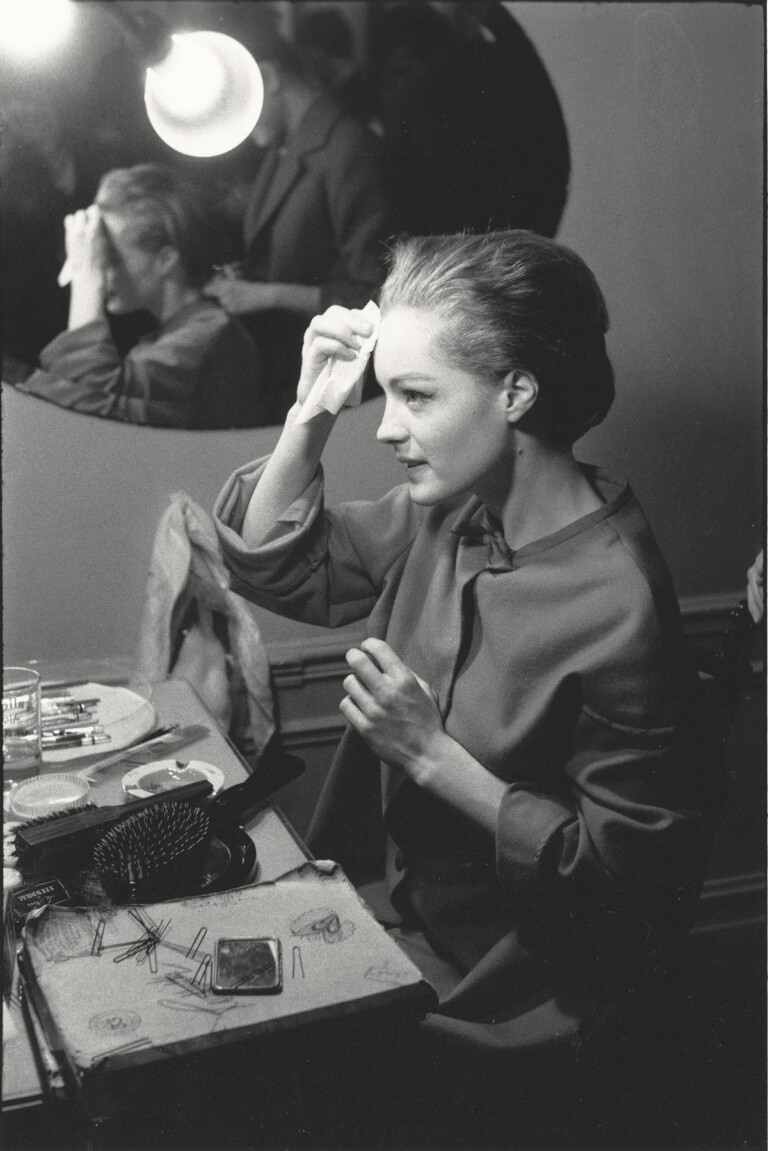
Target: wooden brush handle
{"x": 36, "y": 835}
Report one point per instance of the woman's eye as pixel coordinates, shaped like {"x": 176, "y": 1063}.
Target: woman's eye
{"x": 414, "y": 399}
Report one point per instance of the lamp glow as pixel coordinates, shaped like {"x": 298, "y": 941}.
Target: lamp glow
{"x": 33, "y": 28}
{"x": 206, "y": 96}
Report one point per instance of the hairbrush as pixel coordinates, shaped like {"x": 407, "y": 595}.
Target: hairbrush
{"x": 160, "y": 853}
{"x": 156, "y": 854}
{"x": 62, "y": 843}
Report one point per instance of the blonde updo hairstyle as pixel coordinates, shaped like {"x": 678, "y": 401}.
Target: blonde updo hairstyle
{"x": 514, "y": 300}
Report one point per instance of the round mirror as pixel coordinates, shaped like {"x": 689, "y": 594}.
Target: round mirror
{"x": 145, "y": 285}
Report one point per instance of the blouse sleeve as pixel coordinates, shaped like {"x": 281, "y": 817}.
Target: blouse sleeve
{"x": 624, "y": 838}
{"x": 317, "y": 566}
{"x": 162, "y": 382}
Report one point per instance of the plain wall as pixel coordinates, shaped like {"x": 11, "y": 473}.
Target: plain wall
{"x": 664, "y": 107}
{"x": 663, "y": 104}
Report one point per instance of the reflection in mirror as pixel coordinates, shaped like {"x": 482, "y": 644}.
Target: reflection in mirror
{"x": 193, "y": 279}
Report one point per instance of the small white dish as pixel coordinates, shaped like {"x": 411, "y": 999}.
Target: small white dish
{"x": 166, "y": 774}
{"x": 48, "y": 794}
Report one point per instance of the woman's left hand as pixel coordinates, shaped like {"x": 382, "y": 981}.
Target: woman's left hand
{"x": 392, "y": 708}
{"x": 239, "y": 297}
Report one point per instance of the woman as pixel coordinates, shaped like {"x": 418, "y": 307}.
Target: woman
{"x": 146, "y": 247}
{"x": 525, "y": 690}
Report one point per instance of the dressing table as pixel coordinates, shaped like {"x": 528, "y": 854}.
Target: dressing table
{"x": 36, "y": 1104}
{"x": 278, "y": 850}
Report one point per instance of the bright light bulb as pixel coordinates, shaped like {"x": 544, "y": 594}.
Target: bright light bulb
{"x": 30, "y": 28}
{"x": 206, "y": 96}
{"x": 190, "y": 81}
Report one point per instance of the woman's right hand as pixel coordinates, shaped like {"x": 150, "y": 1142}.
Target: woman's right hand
{"x": 338, "y": 332}
{"x": 85, "y": 242}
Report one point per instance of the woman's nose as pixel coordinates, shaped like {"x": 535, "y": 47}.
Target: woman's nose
{"x": 390, "y": 430}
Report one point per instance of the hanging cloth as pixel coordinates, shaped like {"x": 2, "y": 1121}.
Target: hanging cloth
{"x": 194, "y": 627}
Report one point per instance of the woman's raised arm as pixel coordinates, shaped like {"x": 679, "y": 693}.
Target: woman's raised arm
{"x": 339, "y": 333}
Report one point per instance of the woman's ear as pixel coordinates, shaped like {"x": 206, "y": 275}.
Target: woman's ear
{"x": 520, "y": 390}
{"x": 167, "y": 259}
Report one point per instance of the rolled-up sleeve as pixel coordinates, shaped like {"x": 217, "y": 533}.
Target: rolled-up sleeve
{"x": 622, "y": 829}
{"x": 201, "y": 370}
{"x": 322, "y": 567}
{"x": 627, "y": 837}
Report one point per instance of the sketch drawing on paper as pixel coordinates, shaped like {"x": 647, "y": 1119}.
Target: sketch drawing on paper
{"x": 386, "y": 973}
{"x": 322, "y": 923}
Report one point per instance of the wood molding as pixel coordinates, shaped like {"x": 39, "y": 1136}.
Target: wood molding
{"x": 731, "y": 902}
{"x": 319, "y": 730}
{"x": 297, "y": 661}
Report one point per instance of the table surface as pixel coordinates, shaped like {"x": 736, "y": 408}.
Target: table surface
{"x": 279, "y": 850}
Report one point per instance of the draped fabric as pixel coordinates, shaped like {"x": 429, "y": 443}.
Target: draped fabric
{"x": 186, "y": 565}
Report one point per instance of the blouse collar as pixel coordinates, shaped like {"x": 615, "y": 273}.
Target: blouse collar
{"x": 475, "y": 525}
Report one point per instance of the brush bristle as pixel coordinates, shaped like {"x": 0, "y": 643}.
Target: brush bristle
{"x": 154, "y": 854}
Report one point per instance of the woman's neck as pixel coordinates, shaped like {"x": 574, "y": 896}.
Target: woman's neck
{"x": 547, "y": 492}
{"x": 175, "y": 297}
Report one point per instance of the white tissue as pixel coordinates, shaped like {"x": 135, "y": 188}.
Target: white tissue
{"x": 65, "y": 275}
{"x": 340, "y": 383}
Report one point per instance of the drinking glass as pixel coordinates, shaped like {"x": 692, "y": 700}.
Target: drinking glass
{"x": 22, "y": 730}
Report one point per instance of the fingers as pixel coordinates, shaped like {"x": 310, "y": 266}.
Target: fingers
{"x": 378, "y": 667}
{"x": 375, "y": 659}
{"x": 353, "y": 714}
{"x": 83, "y": 233}
{"x": 755, "y": 603}
{"x": 755, "y": 584}
{"x": 337, "y": 332}
{"x": 383, "y": 655}
{"x": 83, "y": 218}
{"x": 365, "y": 670}
{"x": 359, "y": 696}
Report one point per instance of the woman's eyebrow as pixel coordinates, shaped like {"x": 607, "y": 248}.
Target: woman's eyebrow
{"x": 410, "y": 378}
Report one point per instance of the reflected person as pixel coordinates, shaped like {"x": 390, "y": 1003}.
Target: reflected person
{"x": 146, "y": 246}
{"x": 523, "y": 717}
{"x": 315, "y": 218}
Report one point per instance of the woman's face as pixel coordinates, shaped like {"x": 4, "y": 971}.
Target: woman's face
{"x": 133, "y": 275}
{"x": 449, "y": 428}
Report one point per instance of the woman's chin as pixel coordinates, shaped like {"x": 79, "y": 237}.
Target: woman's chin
{"x": 424, "y": 494}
